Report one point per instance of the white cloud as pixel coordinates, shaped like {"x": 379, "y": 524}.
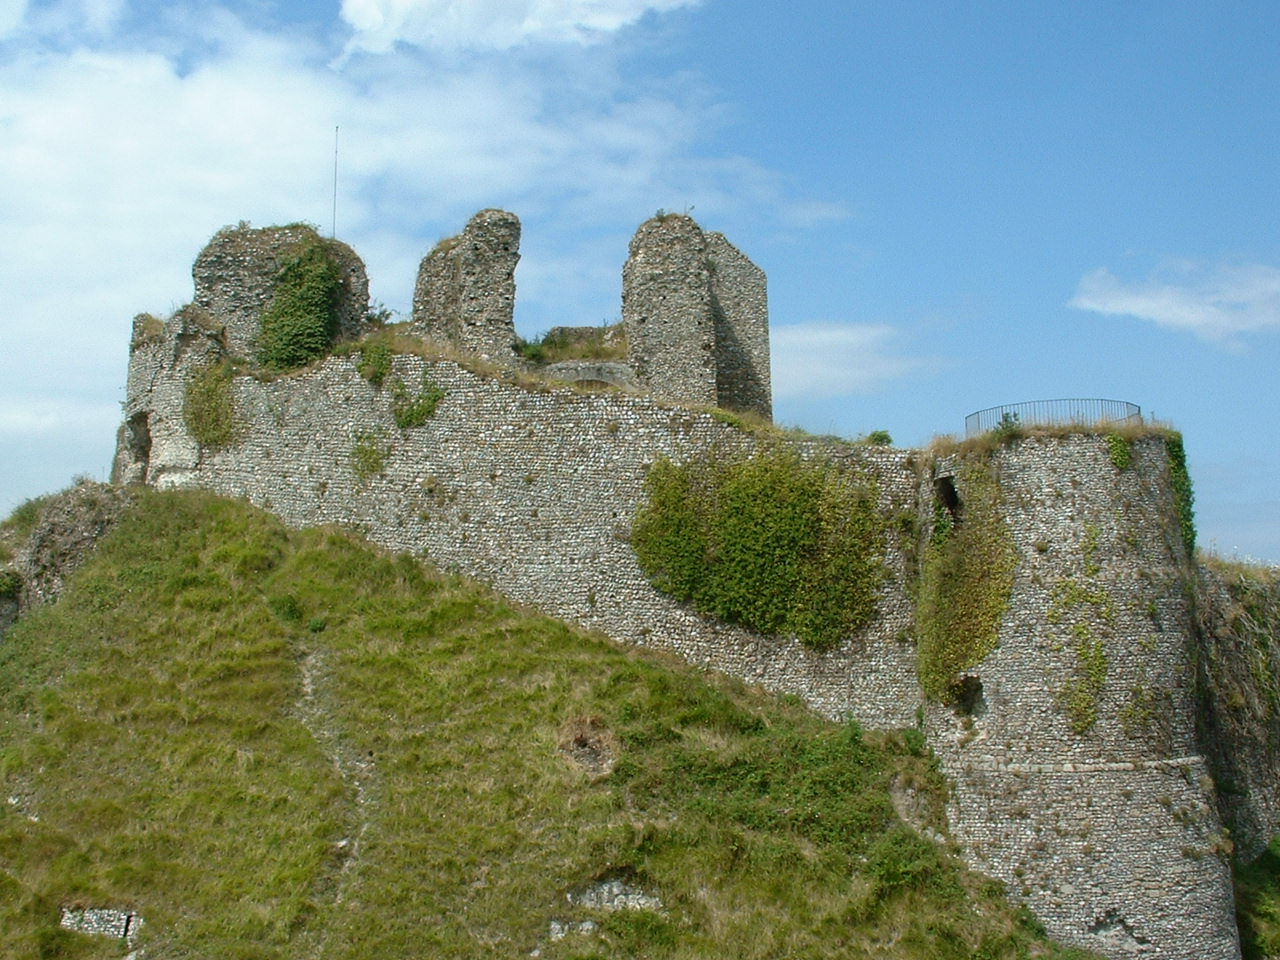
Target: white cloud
{"x": 834, "y": 360}
{"x": 491, "y": 24}
{"x": 1217, "y": 303}
{"x": 34, "y": 416}
{"x": 121, "y": 155}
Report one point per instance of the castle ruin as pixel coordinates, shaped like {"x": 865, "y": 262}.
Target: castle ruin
{"x": 1113, "y": 832}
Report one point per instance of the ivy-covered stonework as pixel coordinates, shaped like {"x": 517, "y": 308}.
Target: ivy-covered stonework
{"x": 772, "y": 542}
{"x": 966, "y": 577}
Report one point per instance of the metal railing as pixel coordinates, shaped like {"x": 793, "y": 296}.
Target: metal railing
{"x": 1082, "y": 412}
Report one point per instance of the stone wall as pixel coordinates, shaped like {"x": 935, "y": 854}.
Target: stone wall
{"x": 235, "y": 277}
{"x": 1238, "y": 668}
{"x": 1108, "y": 830}
{"x": 740, "y": 306}
{"x": 466, "y": 289}
{"x": 531, "y": 491}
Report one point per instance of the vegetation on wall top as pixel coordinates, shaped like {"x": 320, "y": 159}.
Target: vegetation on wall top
{"x": 301, "y": 322}
{"x": 606, "y": 342}
{"x": 771, "y": 542}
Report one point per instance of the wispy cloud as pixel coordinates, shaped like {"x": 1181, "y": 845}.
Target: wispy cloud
{"x": 491, "y": 24}
{"x": 1218, "y": 303}
{"x": 821, "y": 359}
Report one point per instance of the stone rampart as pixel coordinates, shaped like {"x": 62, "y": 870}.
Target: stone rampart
{"x": 532, "y": 492}
{"x": 1080, "y": 774}
{"x": 1238, "y": 667}
{"x": 1077, "y": 776}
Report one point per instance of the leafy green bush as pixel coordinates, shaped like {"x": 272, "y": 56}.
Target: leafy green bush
{"x": 208, "y": 407}
{"x": 375, "y": 361}
{"x": 966, "y": 580}
{"x": 300, "y": 324}
{"x": 413, "y": 410}
{"x": 880, "y": 438}
{"x": 771, "y": 542}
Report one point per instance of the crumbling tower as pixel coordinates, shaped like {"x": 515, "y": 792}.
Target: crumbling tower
{"x": 466, "y": 289}
{"x": 696, "y": 314}
{"x": 235, "y": 278}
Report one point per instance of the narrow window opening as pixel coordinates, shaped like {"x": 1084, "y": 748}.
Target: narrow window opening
{"x": 944, "y": 488}
{"x": 970, "y": 701}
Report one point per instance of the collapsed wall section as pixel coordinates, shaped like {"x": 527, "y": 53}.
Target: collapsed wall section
{"x": 466, "y": 287}
{"x": 1076, "y": 771}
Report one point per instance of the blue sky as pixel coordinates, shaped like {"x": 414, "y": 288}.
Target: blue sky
{"x": 957, "y": 205}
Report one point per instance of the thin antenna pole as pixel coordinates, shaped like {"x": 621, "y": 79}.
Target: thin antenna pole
{"x": 334, "y": 230}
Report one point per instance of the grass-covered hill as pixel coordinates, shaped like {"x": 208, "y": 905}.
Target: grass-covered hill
{"x": 280, "y": 744}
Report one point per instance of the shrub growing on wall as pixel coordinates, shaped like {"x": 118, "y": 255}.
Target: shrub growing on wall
{"x": 208, "y": 407}
{"x": 1182, "y": 491}
{"x": 965, "y": 583}
{"x": 302, "y": 320}
{"x": 771, "y": 542}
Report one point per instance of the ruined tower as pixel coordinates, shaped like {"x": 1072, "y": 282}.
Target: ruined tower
{"x": 235, "y": 278}
{"x": 696, "y": 313}
{"x": 466, "y": 288}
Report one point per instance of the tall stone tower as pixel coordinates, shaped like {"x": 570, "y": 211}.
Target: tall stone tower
{"x": 466, "y": 289}
{"x": 696, "y": 314}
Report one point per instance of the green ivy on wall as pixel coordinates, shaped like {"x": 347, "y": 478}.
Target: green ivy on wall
{"x": 208, "y": 407}
{"x": 415, "y": 409}
{"x": 1183, "y": 494}
{"x": 771, "y": 542}
{"x": 301, "y": 322}
{"x": 966, "y": 579}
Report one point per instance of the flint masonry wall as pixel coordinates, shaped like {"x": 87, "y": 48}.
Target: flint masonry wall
{"x": 1238, "y": 666}
{"x": 532, "y": 492}
{"x": 740, "y": 308}
{"x": 466, "y": 289}
{"x": 1111, "y": 834}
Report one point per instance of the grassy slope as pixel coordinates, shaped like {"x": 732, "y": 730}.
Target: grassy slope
{"x": 281, "y": 744}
